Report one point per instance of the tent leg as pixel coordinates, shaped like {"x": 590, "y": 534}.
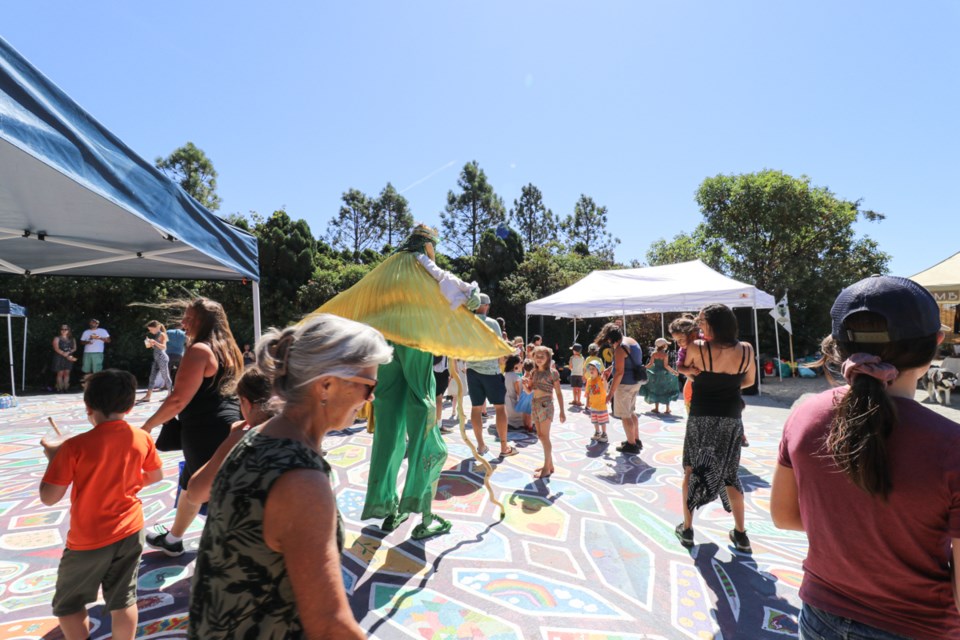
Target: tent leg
{"x": 756, "y": 353}
{"x": 574, "y": 331}
{"x": 256, "y": 311}
{"x": 13, "y": 380}
{"x": 23, "y": 369}
{"x": 526, "y": 331}
{"x": 776, "y": 333}
{"x": 663, "y": 329}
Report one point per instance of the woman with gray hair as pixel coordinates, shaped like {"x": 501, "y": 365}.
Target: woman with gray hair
{"x": 269, "y": 558}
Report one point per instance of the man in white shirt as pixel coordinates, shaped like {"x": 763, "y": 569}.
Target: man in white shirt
{"x": 93, "y": 341}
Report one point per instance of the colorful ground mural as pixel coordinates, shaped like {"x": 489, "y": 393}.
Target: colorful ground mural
{"x": 585, "y": 555}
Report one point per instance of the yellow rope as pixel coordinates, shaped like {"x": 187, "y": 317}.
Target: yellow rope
{"x": 488, "y": 468}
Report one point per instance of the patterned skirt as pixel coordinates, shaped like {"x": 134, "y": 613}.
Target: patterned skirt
{"x": 711, "y": 447}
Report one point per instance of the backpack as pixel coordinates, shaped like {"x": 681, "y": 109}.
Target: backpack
{"x": 639, "y": 371}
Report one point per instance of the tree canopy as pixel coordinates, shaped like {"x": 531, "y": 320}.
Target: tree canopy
{"x": 781, "y": 233}
{"x": 468, "y": 213}
{"x": 586, "y": 229}
{"x": 190, "y": 167}
{"x": 535, "y": 223}
{"x": 392, "y": 211}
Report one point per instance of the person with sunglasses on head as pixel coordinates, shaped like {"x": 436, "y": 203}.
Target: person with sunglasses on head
{"x": 64, "y": 346}
{"x": 422, "y": 311}
{"x": 268, "y": 564}
{"x": 873, "y": 477}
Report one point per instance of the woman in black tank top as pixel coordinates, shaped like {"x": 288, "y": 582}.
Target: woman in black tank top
{"x": 721, "y": 366}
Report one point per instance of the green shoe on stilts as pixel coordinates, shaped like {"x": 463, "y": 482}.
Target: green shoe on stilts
{"x": 431, "y": 526}
{"x": 394, "y": 520}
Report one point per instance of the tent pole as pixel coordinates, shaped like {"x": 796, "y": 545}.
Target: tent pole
{"x": 23, "y": 369}
{"x": 776, "y": 333}
{"x": 256, "y": 311}
{"x": 526, "y": 331}
{"x": 756, "y": 353}
{"x": 663, "y": 330}
{"x": 13, "y": 381}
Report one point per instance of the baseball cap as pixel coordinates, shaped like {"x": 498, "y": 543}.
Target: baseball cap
{"x": 484, "y": 298}
{"x": 661, "y": 342}
{"x": 909, "y": 309}
{"x": 577, "y": 346}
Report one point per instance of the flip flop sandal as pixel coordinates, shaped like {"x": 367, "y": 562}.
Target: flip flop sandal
{"x": 512, "y": 451}
{"x": 484, "y": 450}
{"x": 438, "y": 527}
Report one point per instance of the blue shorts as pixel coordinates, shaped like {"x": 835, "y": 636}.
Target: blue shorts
{"x": 576, "y": 382}
{"x": 486, "y": 388}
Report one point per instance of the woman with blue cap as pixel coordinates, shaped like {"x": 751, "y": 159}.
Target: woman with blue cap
{"x": 873, "y": 477}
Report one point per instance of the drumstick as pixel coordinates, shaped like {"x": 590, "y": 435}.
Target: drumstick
{"x": 53, "y": 423}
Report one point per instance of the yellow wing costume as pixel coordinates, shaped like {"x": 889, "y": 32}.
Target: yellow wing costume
{"x": 402, "y": 301}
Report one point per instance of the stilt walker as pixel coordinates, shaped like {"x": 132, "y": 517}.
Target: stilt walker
{"x": 422, "y": 310}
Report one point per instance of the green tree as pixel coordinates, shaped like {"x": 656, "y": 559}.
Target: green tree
{"x": 498, "y": 256}
{"x": 190, "y": 167}
{"x": 356, "y": 226}
{"x": 783, "y": 233}
{"x": 689, "y": 246}
{"x": 586, "y": 229}
{"x": 534, "y": 222}
{"x": 476, "y": 208}
{"x": 288, "y": 255}
{"x": 393, "y": 212}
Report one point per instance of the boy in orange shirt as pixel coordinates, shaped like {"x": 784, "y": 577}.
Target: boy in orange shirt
{"x": 107, "y": 467}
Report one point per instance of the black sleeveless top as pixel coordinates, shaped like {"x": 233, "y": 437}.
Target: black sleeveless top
{"x": 718, "y": 394}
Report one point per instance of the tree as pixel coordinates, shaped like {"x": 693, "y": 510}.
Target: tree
{"x": 288, "y": 256}
{"x": 393, "y": 212}
{"x": 685, "y": 247}
{"x": 534, "y": 222}
{"x": 500, "y": 252}
{"x": 190, "y": 167}
{"x": 475, "y": 208}
{"x": 586, "y": 229}
{"x": 356, "y": 226}
{"x": 782, "y": 233}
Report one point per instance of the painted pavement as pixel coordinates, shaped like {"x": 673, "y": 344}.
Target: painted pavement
{"x": 585, "y": 555}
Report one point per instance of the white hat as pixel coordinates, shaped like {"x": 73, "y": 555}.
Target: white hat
{"x": 661, "y": 342}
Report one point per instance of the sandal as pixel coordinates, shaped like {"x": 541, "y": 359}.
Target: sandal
{"x": 512, "y": 451}
{"x": 436, "y": 527}
{"x": 394, "y": 520}
{"x": 482, "y": 451}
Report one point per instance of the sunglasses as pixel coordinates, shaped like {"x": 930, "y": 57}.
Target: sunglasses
{"x": 369, "y": 383}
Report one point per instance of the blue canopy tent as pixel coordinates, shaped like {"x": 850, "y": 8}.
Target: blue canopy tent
{"x": 75, "y": 200}
{"x": 10, "y": 310}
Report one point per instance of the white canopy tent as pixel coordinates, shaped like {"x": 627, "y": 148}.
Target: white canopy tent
{"x": 685, "y": 286}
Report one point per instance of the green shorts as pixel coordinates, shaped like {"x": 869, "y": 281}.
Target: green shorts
{"x": 82, "y": 573}
{"x": 92, "y": 362}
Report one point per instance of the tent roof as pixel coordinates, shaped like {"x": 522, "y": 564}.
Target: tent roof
{"x": 945, "y": 274}
{"x": 685, "y": 286}
{"x": 98, "y": 208}
{"x": 8, "y": 308}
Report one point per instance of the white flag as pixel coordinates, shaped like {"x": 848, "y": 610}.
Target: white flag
{"x": 781, "y": 313}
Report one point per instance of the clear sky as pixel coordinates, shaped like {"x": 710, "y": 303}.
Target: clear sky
{"x": 632, "y": 103}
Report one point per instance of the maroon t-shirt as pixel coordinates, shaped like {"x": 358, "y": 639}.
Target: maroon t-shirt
{"x": 884, "y": 564}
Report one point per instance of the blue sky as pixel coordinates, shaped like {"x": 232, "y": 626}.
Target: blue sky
{"x": 631, "y": 103}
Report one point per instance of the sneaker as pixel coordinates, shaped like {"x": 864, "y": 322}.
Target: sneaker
{"x": 158, "y": 540}
{"x": 685, "y": 536}
{"x": 631, "y": 449}
{"x": 602, "y": 438}
{"x": 595, "y": 437}
{"x": 740, "y": 541}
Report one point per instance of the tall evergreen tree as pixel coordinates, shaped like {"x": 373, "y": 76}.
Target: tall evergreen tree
{"x": 356, "y": 226}
{"x": 393, "y": 212}
{"x": 534, "y": 222}
{"x": 586, "y": 229}
{"x": 190, "y": 167}
{"x": 468, "y": 213}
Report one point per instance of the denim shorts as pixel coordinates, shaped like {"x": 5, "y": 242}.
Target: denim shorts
{"x": 817, "y": 624}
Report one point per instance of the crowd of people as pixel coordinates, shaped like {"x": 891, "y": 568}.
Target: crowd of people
{"x": 866, "y": 471}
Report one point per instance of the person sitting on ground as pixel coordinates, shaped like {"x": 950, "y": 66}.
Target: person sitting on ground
{"x": 107, "y": 467}
{"x": 873, "y": 476}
